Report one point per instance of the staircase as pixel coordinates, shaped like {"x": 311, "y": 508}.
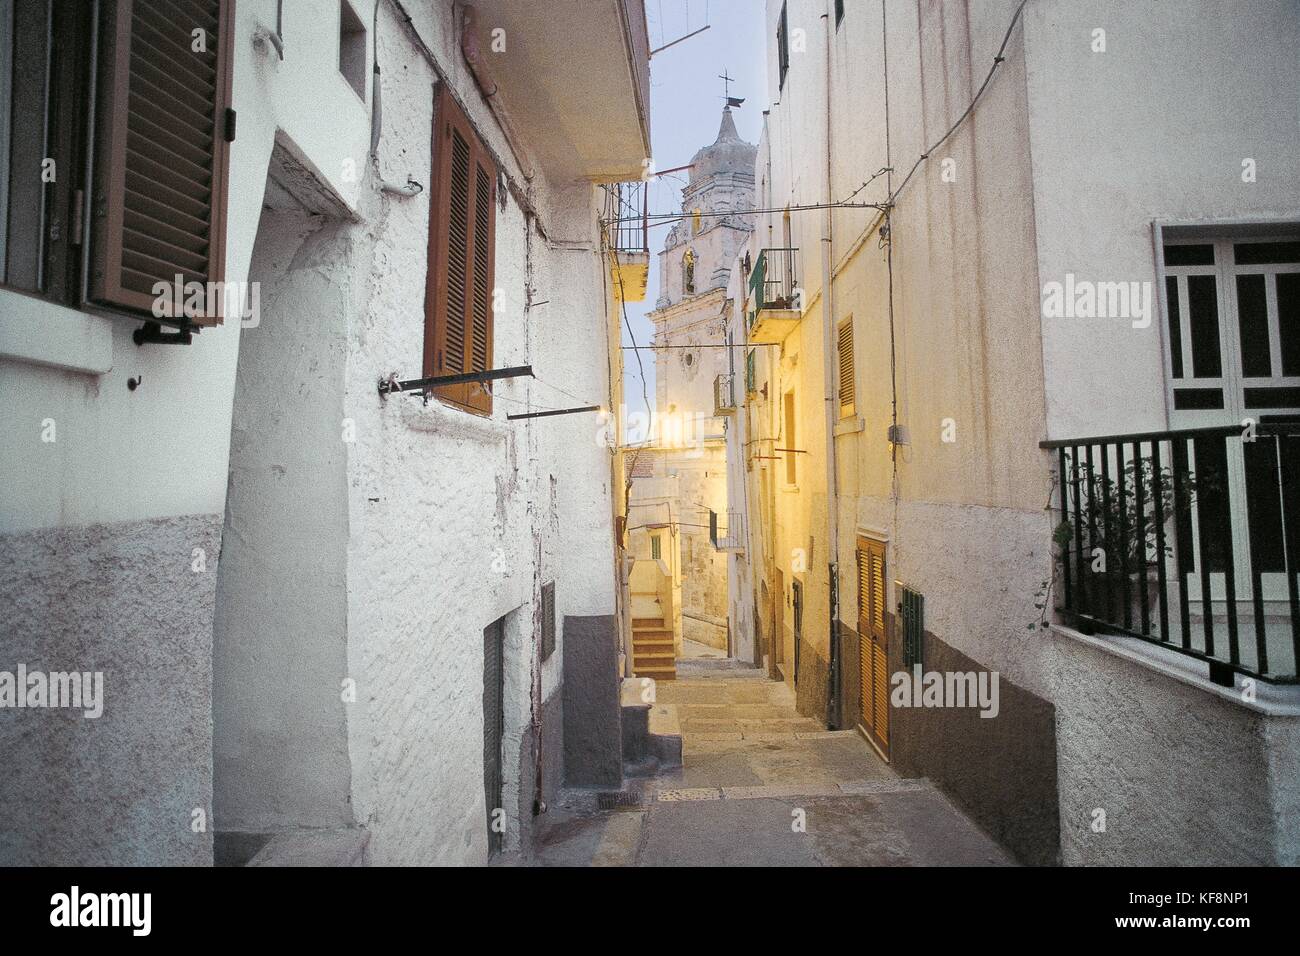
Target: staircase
{"x": 653, "y": 654}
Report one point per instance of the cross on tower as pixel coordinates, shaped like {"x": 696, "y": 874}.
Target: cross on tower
{"x": 727, "y": 80}
{"x": 726, "y": 83}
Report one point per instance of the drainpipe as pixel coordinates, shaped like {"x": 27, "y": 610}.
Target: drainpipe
{"x": 830, "y": 360}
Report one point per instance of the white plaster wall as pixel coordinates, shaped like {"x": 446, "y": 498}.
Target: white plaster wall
{"x": 457, "y": 520}
{"x": 1066, "y": 161}
{"x": 144, "y": 473}
{"x": 279, "y": 639}
{"x": 451, "y": 521}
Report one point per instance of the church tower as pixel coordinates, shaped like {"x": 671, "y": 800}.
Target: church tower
{"x": 679, "y": 574}
{"x": 693, "y": 269}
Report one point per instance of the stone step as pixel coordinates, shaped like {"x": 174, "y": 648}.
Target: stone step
{"x": 654, "y": 647}
{"x": 657, "y": 672}
{"x": 641, "y": 662}
{"x": 339, "y": 847}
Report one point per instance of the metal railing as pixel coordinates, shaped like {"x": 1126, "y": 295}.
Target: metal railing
{"x": 630, "y": 217}
{"x": 774, "y": 282}
{"x": 730, "y": 538}
{"x": 724, "y": 395}
{"x": 1188, "y": 539}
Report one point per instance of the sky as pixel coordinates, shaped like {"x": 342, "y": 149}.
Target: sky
{"x": 686, "y": 99}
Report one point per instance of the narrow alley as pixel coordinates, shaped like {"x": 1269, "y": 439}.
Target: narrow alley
{"x": 760, "y": 786}
{"x": 559, "y": 433}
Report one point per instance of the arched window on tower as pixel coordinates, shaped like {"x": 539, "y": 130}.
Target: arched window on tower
{"x": 688, "y": 272}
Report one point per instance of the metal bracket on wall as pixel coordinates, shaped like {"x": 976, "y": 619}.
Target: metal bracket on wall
{"x": 421, "y": 386}
{"x": 151, "y": 333}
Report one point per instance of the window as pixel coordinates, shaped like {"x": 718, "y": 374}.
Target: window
{"x": 106, "y": 221}
{"x": 839, "y": 12}
{"x": 750, "y": 383}
{"x": 548, "y": 620}
{"x": 656, "y": 547}
{"x": 846, "y": 390}
{"x": 458, "y": 290}
{"x": 782, "y": 48}
{"x": 352, "y": 48}
{"x": 791, "y": 462}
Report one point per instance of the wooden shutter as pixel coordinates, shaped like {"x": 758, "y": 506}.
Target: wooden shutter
{"x": 873, "y": 643}
{"x": 846, "y": 368}
{"x": 458, "y": 291}
{"x": 162, "y": 152}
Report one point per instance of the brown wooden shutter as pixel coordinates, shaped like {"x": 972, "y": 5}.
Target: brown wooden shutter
{"x": 846, "y": 368}
{"x": 462, "y": 246}
{"x": 873, "y": 642}
{"x": 162, "y": 155}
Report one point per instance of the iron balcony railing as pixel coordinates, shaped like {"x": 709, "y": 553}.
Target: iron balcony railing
{"x": 730, "y": 538}
{"x": 724, "y": 395}
{"x": 774, "y": 283}
{"x": 630, "y": 218}
{"x": 1188, "y": 539}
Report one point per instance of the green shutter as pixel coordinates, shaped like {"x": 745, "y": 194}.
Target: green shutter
{"x": 913, "y": 626}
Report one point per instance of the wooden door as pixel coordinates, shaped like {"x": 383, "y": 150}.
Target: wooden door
{"x": 873, "y": 714}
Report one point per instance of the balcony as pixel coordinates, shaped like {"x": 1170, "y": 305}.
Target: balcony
{"x": 724, "y": 396}
{"x": 575, "y": 82}
{"x": 730, "y": 539}
{"x": 627, "y": 213}
{"x": 775, "y": 305}
{"x": 1186, "y": 539}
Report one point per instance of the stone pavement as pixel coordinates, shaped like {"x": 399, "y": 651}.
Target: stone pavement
{"x": 761, "y": 786}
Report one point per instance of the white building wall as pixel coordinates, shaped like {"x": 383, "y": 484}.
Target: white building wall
{"x": 397, "y": 547}
{"x": 1066, "y": 161}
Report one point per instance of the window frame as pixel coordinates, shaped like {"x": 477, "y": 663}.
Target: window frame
{"x": 449, "y": 119}
{"x": 783, "y": 47}
{"x": 847, "y": 409}
{"x": 79, "y": 234}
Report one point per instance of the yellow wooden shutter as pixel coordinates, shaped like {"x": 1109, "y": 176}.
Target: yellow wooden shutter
{"x": 846, "y": 369}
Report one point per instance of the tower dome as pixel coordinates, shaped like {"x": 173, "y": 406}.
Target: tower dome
{"x": 728, "y": 153}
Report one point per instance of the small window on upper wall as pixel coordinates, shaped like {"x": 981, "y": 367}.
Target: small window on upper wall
{"x": 839, "y": 12}
{"x": 352, "y": 48}
{"x": 782, "y": 47}
{"x": 656, "y": 547}
{"x": 846, "y": 382}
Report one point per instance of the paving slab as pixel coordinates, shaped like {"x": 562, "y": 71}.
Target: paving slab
{"x": 760, "y": 785}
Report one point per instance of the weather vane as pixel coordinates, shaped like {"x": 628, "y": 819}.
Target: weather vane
{"x": 727, "y": 80}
